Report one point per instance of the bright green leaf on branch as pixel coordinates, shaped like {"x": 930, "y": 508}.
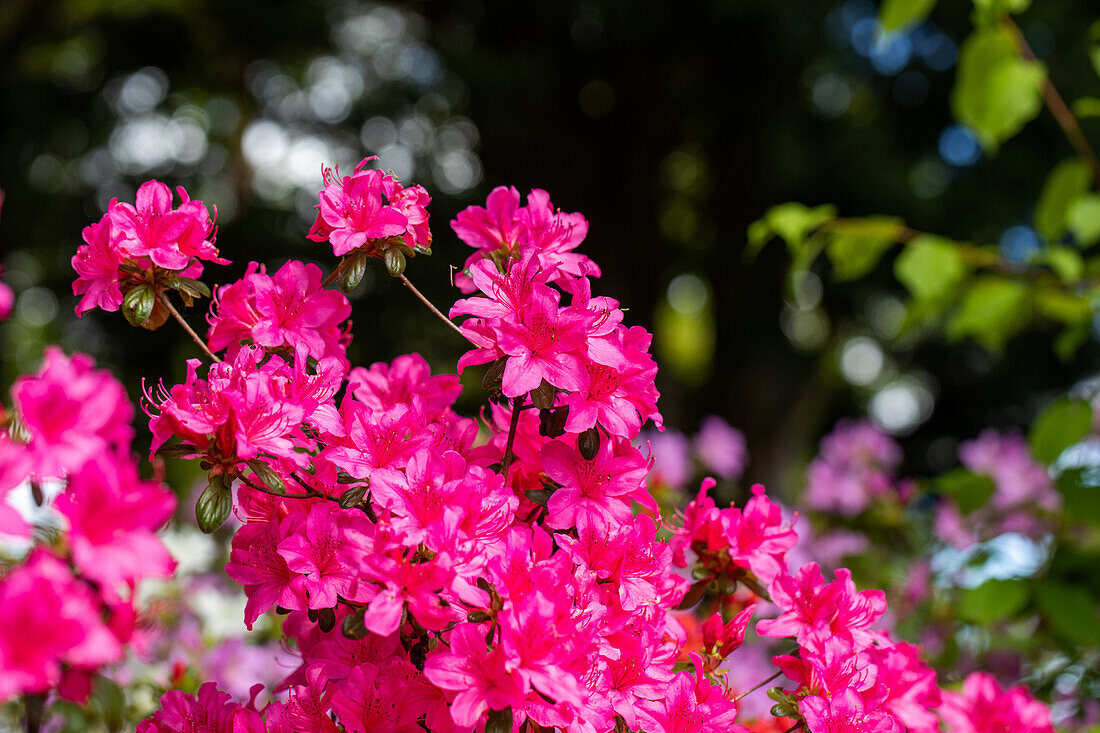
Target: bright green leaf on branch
{"x": 897, "y": 15}
{"x": 996, "y": 91}
{"x": 1087, "y": 106}
{"x": 930, "y": 267}
{"x": 1061, "y": 424}
{"x": 1066, "y": 182}
{"x": 993, "y": 600}
{"x": 791, "y": 222}
{"x": 992, "y": 310}
{"x": 855, "y": 250}
{"x": 1083, "y": 219}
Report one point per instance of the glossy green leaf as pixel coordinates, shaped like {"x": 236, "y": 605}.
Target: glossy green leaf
{"x": 1061, "y": 424}
{"x": 996, "y": 91}
{"x": 900, "y": 14}
{"x": 968, "y": 490}
{"x": 1066, "y": 182}
{"x": 1083, "y": 219}
{"x": 993, "y": 309}
{"x": 930, "y": 267}
{"x": 993, "y": 600}
{"x": 1071, "y": 613}
{"x": 989, "y": 11}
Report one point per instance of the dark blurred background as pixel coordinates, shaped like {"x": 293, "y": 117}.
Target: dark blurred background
{"x": 671, "y": 126}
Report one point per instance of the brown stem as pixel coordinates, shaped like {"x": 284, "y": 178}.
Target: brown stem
{"x": 509, "y": 456}
{"x": 35, "y": 711}
{"x": 428, "y": 303}
{"x": 186, "y": 327}
{"x": 1057, "y": 106}
{"x": 757, "y": 687}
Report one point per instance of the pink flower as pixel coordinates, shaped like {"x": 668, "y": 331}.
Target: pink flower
{"x": 72, "y": 412}
{"x": 314, "y": 556}
{"x": 602, "y": 485}
{"x": 112, "y": 517}
{"x": 356, "y": 209}
{"x": 481, "y": 678}
{"x": 506, "y": 230}
{"x": 1019, "y": 479}
{"x": 286, "y": 310}
{"x": 984, "y": 707}
{"x": 845, "y": 713}
{"x": 50, "y": 619}
{"x": 169, "y": 237}
{"x": 97, "y": 265}
{"x": 813, "y": 609}
{"x": 724, "y": 638}
{"x": 209, "y": 711}
{"x": 721, "y": 448}
{"x": 690, "y": 705}
{"x": 856, "y": 465}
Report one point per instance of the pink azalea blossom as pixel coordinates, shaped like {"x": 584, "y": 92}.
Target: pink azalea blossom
{"x": 983, "y": 706}
{"x": 845, "y": 712}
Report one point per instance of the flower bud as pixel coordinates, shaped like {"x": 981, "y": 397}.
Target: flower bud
{"x": 326, "y": 619}
{"x": 352, "y": 271}
{"x": 215, "y": 504}
{"x": 395, "y": 261}
{"x": 137, "y": 305}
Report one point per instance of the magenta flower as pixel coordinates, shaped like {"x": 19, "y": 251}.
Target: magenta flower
{"x": 845, "y": 713}
{"x": 97, "y": 265}
{"x": 481, "y": 678}
{"x": 288, "y": 310}
{"x": 72, "y": 413}
{"x": 50, "y": 619}
{"x": 352, "y": 211}
{"x": 602, "y": 485}
{"x": 208, "y": 711}
{"x": 169, "y": 237}
{"x": 855, "y": 466}
{"x": 690, "y": 705}
{"x": 113, "y": 516}
{"x": 983, "y": 706}
{"x": 721, "y": 448}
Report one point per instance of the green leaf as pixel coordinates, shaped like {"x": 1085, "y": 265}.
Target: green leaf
{"x": 137, "y": 304}
{"x": 1058, "y": 305}
{"x": 996, "y": 92}
{"x": 1066, "y": 182}
{"x": 896, "y": 15}
{"x": 1087, "y": 107}
{"x": 1070, "y": 612}
{"x": 1061, "y": 424}
{"x": 1083, "y": 219}
{"x": 1094, "y": 57}
{"x": 1066, "y": 262}
{"x": 992, "y": 601}
{"x": 969, "y": 491}
{"x": 992, "y": 310}
{"x": 1080, "y": 487}
{"x": 855, "y": 250}
{"x": 930, "y": 267}
{"x": 791, "y": 222}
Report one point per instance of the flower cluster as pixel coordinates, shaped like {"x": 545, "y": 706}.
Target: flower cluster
{"x": 69, "y": 605}
{"x": 371, "y": 214}
{"x": 856, "y": 465}
{"x": 136, "y": 251}
{"x": 429, "y": 579}
{"x": 718, "y": 449}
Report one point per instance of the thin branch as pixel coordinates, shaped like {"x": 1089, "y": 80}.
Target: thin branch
{"x": 757, "y": 687}
{"x": 428, "y": 303}
{"x": 186, "y": 327}
{"x": 1057, "y": 106}
{"x": 509, "y": 456}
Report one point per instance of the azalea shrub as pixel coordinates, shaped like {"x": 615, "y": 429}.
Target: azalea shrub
{"x": 425, "y": 570}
